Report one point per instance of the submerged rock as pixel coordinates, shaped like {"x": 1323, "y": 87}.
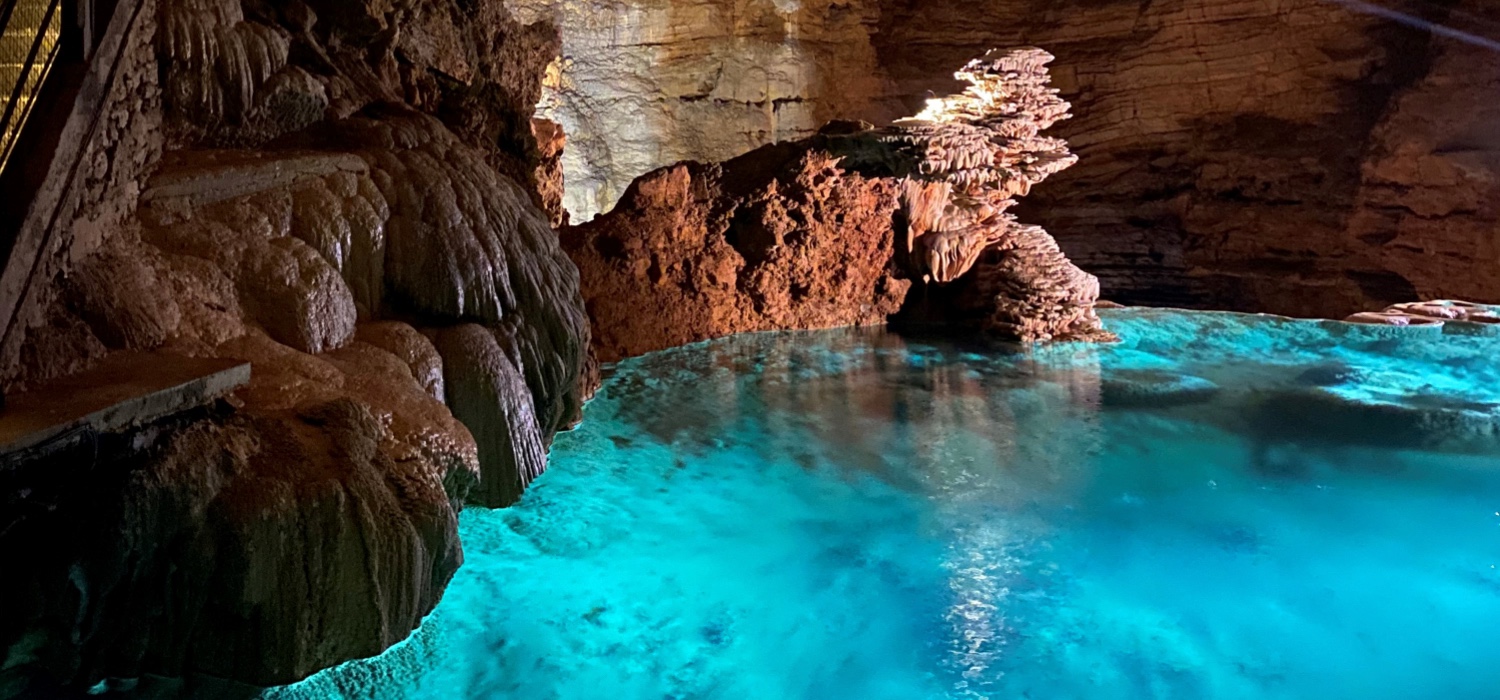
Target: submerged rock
{"x": 1154, "y": 389}
{"x": 1329, "y": 375}
{"x": 1430, "y": 422}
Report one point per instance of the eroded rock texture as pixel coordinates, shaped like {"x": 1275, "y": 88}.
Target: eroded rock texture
{"x": 645, "y": 83}
{"x": 350, "y": 199}
{"x": 835, "y": 229}
{"x": 1303, "y": 158}
{"x": 1225, "y": 147}
{"x": 780, "y": 238}
{"x": 968, "y": 157}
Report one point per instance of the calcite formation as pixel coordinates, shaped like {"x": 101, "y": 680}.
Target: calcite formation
{"x": 836, "y": 229}
{"x": 1449, "y": 315}
{"x": 974, "y": 153}
{"x": 348, "y": 196}
{"x": 359, "y": 439}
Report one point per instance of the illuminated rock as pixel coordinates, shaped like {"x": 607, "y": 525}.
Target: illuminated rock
{"x": 835, "y": 229}
{"x": 972, "y": 154}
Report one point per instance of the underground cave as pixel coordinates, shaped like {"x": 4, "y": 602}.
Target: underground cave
{"x": 749, "y": 349}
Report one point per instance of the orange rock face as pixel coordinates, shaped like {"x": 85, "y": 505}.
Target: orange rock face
{"x": 780, "y": 238}
{"x": 836, "y": 229}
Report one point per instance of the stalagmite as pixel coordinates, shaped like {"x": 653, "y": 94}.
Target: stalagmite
{"x": 971, "y": 154}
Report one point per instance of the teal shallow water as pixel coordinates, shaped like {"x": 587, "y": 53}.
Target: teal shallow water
{"x": 1220, "y": 506}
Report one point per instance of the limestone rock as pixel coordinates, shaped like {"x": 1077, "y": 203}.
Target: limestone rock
{"x": 781, "y": 238}
{"x": 412, "y": 348}
{"x": 834, "y": 230}
{"x": 194, "y": 538}
{"x": 333, "y": 173}
{"x": 969, "y": 155}
{"x": 417, "y": 225}
{"x": 1307, "y": 159}
{"x": 488, "y": 393}
{"x": 464, "y": 242}
{"x": 643, "y": 84}
{"x": 319, "y": 520}
{"x": 551, "y": 142}
{"x": 122, "y": 297}
{"x": 297, "y": 296}
{"x": 63, "y": 345}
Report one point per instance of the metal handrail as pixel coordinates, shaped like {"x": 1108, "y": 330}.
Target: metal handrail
{"x": 46, "y": 41}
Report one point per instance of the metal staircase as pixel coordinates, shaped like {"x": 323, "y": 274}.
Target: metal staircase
{"x": 30, "y": 37}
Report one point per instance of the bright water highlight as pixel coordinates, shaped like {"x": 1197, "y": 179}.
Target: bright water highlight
{"x": 1220, "y": 506}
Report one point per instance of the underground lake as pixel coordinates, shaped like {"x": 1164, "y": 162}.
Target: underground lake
{"x": 1218, "y": 506}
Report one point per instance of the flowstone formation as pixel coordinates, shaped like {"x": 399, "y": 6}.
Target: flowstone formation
{"x": 849, "y": 227}
{"x": 349, "y": 197}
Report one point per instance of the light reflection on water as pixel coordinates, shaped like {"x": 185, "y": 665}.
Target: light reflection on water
{"x": 846, "y": 514}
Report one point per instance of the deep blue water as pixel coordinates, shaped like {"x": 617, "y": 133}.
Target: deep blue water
{"x": 1220, "y": 506}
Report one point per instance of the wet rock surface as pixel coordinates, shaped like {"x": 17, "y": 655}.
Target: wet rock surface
{"x": 1322, "y": 384}
{"x": 342, "y": 186}
{"x": 343, "y": 460}
{"x": 1150, "y": 389}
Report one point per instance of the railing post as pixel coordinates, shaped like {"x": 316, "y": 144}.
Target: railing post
{"x": 75, "y": 40}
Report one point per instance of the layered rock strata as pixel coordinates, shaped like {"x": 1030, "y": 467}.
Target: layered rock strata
{"x": 642, "y": 84}
{"x": 1307, "y": 158}
{"x": 836, "y": 229}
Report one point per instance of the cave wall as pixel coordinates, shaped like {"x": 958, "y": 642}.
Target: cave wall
{"x": 646, "y": 83}
{"x": 93, "y": 203}
{"x": 349, "y": 197}
{"x": 1301, "y": 158}
{"x": 1228, "y": 149}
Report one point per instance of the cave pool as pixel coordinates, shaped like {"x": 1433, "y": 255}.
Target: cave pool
{"x": 1219, "y": 506}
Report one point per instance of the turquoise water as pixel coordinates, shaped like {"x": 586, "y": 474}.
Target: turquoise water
{"x": 1219, "y": 506}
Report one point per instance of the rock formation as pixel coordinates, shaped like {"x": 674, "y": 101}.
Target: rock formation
{"x": 974, "y": 153}
{"x": 347, "y": 196}
{"x": 643, "y": 84}
{"x": 1448, "y": 315}
{"x": 1306, "y": 158}
{"x": 780, "y": 238}
{"x": 835, "y": 229}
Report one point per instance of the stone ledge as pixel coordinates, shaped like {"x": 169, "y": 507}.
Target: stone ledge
{"x": 123, "y": 391}
{"x": 195, "y": 179}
